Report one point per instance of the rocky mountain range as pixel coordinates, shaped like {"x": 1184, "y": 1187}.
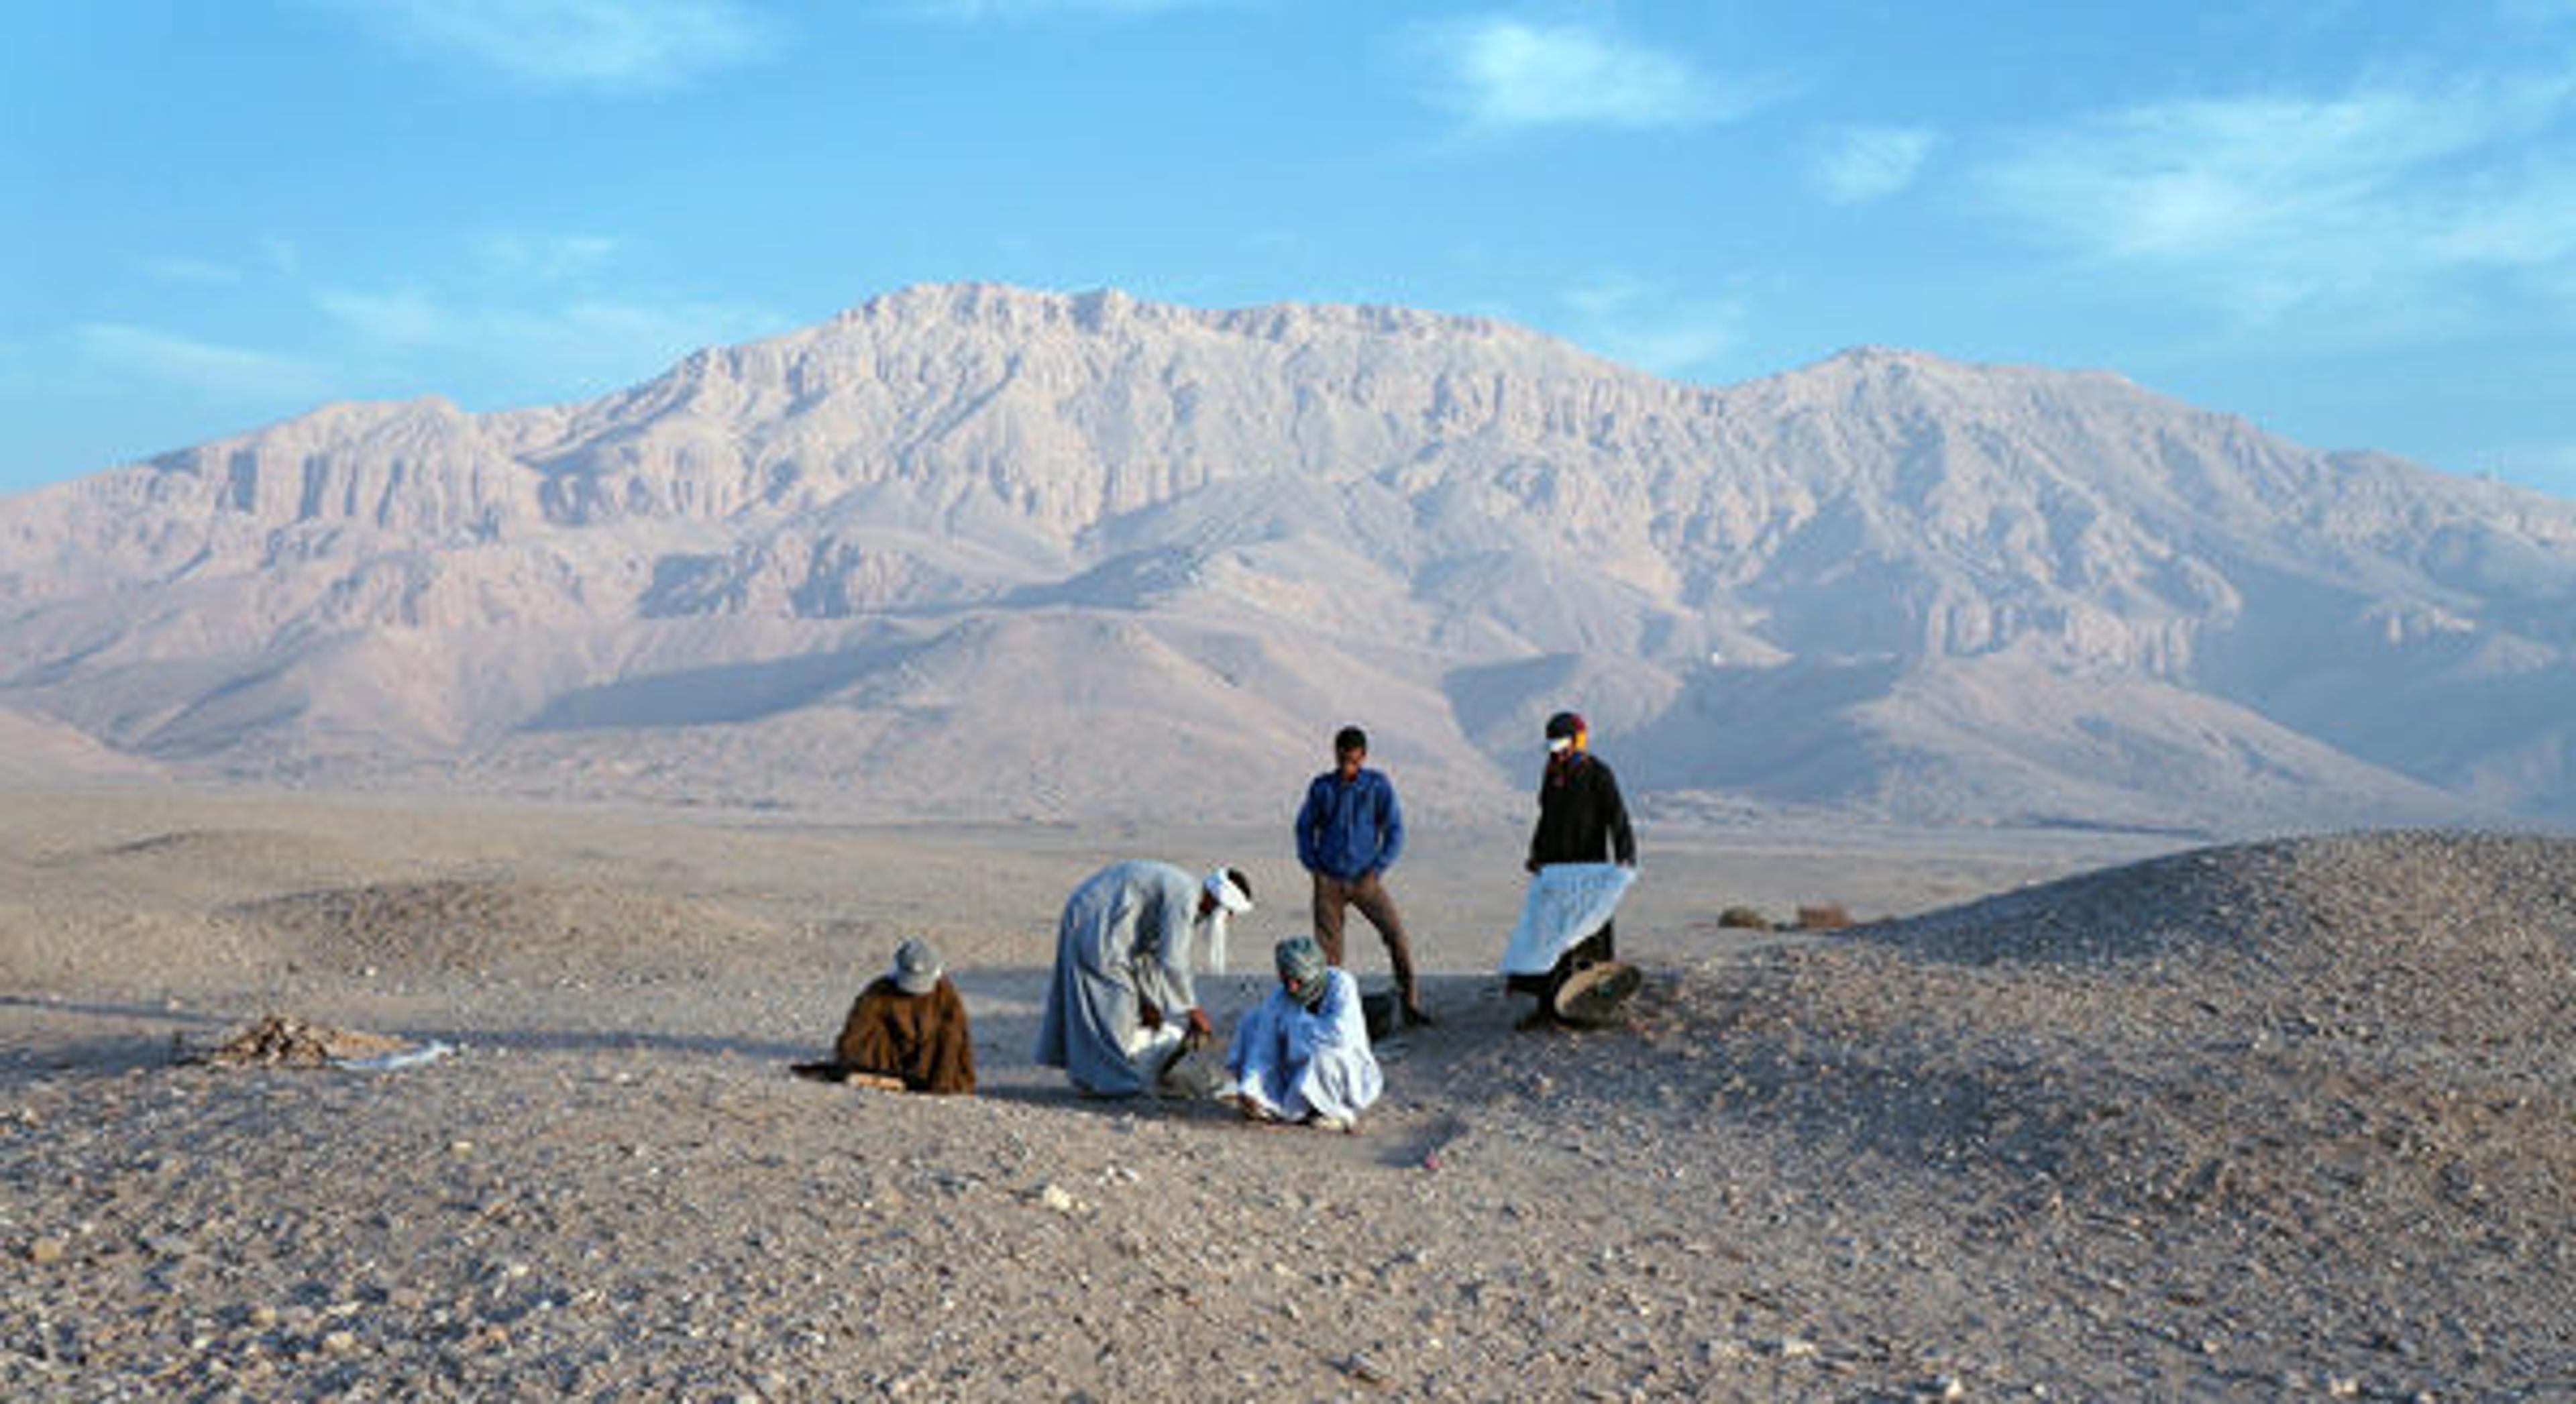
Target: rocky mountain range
{"x": 975, "y": 551}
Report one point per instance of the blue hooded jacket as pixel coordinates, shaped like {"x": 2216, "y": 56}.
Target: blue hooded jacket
{"x": 1345, "y": 830}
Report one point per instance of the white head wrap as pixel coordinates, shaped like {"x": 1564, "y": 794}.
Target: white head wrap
{"x": 1220, "y": 885}
{"x": 1230, "y": 900}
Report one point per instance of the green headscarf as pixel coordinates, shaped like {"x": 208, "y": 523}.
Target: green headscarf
{"x": 1301, "y": 969}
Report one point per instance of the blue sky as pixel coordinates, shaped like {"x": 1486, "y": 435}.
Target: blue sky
{"x": 2354, "y": 223}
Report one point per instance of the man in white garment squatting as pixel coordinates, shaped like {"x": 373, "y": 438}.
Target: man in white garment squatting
{"x": 1122, "y": 994}
{"x": 1303, "y": 1054}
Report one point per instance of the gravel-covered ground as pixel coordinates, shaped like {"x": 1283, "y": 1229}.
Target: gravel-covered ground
{"x": 2271, "y": 1121}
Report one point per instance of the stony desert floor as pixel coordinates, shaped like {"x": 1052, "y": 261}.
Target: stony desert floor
{"x": 2069, "y": 1116}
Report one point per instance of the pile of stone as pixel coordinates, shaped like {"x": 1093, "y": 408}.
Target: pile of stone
{"x": 279, "y": 1040}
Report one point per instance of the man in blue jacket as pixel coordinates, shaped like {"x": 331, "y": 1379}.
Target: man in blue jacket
{"x": 1349, "y": 832}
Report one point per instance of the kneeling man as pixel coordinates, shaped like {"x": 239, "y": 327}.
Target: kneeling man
{"x": 907, "y": 1030}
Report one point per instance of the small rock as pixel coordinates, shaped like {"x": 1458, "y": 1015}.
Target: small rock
{"x": 340, "y": 1342}
{"x": 1059, "y": 1199}
{"x": 47, "y": 1250}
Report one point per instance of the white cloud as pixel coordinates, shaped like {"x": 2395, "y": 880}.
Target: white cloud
{"x": 204, "y": 366}
{"x": 1508, "y": 73}
{"x": 2384, "y": 197}
{"x": 1855, "y": 165}
{"x": 1643, "y": 324}
{"x": 397, "y": 319}
{"x": 608, "y": 46}
{"x": 197, "y": 272}
{"x": 593, "y": 343}
{"x": 611, "y": 336}
{"x": 972, "y": 10}
{"x": 548, "y": 257}
{"x": 2537, "y": 12}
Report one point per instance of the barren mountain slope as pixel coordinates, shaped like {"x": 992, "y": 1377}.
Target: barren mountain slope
{"x": 1884, "y": 581}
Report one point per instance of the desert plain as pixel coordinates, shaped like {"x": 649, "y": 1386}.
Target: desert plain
{"x": 2066, "y": 1114}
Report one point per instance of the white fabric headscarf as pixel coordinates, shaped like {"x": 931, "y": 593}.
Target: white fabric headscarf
{"x": 1230, "y": 900}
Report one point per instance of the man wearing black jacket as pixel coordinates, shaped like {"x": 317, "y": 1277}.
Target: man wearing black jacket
{"x": 1581, "y": 819}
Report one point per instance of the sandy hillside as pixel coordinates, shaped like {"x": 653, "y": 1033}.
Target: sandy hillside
{"x": 2098, "y": 1120}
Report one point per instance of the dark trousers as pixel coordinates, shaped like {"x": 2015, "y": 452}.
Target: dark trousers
{"x": 1333, "y": 895}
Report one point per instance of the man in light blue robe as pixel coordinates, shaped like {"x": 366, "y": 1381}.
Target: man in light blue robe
{"x": 1303, "y": 1054}
{"x": 1122, "y": 992}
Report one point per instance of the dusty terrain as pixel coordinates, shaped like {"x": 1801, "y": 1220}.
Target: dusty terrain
{"x": 2101, "y": 1120}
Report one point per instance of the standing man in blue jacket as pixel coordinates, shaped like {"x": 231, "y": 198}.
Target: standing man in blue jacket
{"x": 1349, "y": 832}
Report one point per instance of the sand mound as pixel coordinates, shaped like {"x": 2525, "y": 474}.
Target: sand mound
{"x": 243, "y": 853}
{"x": 2463, "y": 940}
{"x": 496, "y": 925}
{"x": 54, "y": 945}
{"x": 2334, "y": 896}
{"x": 2354, "y": 1048}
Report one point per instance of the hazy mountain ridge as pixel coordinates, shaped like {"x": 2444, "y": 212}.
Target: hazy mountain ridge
{"x": 819, "y": 566}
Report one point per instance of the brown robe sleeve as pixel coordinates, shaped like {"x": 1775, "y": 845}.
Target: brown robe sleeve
{"x": 947, "y": 1060}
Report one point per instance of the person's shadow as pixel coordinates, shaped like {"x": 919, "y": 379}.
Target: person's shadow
{"x": 1407, "y": 1129}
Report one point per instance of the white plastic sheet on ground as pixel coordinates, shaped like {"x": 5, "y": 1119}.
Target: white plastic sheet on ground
{"x": 1566, "y": 902}
{"x": 397, "y": 1060}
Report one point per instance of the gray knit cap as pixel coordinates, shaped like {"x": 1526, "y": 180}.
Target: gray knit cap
{"x": 916, "y": 967}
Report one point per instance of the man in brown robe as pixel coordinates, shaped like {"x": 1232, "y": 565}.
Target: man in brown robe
{"x": 907, "y": 1031}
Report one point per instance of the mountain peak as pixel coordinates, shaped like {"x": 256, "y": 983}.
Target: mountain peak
{"x": 948, "y": 544}
{"x": 1007, "y": 309}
